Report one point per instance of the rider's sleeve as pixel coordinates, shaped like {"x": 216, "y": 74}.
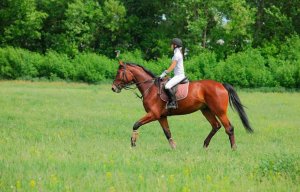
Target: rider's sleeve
{"x": 177, "y": 56}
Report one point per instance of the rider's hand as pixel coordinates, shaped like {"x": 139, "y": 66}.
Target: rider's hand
{"x": 163, "y": 74}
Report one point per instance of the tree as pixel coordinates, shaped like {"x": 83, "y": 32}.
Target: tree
{"x": 81, "y": 23}
{"x": 21, "y": 23}
{"x": 275, "y": 20}
{"x": 222, "y": 26}
{"x": 111, "y": 31}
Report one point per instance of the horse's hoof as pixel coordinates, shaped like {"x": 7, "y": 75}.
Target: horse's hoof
{"x": 234, "y": 148}
{"x": 132, "y": 143}
{"x": 173, "y": 146}
{"x": 172, "y": 143}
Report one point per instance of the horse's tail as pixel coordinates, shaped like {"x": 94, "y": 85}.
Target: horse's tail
{"x": 236, "y": 104}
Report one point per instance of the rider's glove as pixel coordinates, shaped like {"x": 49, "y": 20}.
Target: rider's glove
{"x": 163, "y": 74}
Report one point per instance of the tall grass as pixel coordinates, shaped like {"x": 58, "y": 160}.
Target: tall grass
{"x": 76, "y": 137}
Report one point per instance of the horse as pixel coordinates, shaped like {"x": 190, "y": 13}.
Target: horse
{"x": 208, "y": 96}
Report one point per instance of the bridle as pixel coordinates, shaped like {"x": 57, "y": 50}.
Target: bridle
{"x": 128, "y": 86}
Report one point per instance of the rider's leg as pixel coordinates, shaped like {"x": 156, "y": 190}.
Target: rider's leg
{"x": 168, "y": 87}
{"x": 172, "y": 99}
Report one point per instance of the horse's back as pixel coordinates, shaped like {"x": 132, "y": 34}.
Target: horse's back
{"x": 208, "y": 86}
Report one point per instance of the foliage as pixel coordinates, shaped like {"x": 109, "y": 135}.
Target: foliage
{"x": 92, "y": 68}
{"x": 18, "y": 63}
{"x": 226, "y": 40}
{"x": 268, "y": 66}
{"x": 75, "y": 26}
{"x": 246, "y": 69}
{"x": 21, "y": 23}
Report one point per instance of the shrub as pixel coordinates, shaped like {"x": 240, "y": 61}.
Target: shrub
{"x": 158, "y": 66}
{"x": 248, "y": 69}
{"x": 245, "y": 69}
{"x": 285, "y": 65}
{"x": 284, "y": 72}
{"x": 93, "y": 68}
{"x": 18, "y": 63}
{"x": 201, "y": 66}
{"x": 56, "y": 65}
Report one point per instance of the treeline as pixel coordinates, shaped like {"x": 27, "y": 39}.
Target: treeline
{"x": 103, "y": 26}
{"x": 269, "y": 67}
{"x": 248, "y": 43}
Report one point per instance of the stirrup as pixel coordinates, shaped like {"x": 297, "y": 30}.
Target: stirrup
{"x": 171, "y": 105}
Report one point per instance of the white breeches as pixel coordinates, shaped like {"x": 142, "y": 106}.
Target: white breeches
{"x": 175, "y": 80}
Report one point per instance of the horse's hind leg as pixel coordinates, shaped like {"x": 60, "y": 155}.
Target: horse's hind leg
{"x": 214, "y": 123}
{"x": 165, "y": 125}
{"x": 229, "y": 129}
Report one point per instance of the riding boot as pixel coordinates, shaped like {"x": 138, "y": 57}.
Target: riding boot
{"x": 172, "y": 99}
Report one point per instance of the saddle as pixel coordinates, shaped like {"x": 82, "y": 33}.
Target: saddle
{"x": 181, "y": 90}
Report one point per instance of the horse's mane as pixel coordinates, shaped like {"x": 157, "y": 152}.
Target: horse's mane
{"x": 146, "y": 70}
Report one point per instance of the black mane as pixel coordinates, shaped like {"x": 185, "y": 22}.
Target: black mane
{"x": 146, "y": 70}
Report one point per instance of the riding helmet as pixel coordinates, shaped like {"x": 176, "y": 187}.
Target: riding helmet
{"x": 177, "y": 41}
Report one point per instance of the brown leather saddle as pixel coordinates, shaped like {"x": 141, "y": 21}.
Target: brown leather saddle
{"x": 180, "y": 90}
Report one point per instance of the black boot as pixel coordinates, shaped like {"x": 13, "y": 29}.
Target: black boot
{"x": 172, "y": 99}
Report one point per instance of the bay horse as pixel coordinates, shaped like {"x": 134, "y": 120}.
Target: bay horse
{"x": 208, "y": 96}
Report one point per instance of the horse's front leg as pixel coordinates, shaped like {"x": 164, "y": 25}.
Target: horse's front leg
{"x": 144, "y": 120}
{"x": 165, "y": 125}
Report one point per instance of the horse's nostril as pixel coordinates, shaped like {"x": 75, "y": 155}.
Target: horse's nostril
{"x": 113, "y": 89}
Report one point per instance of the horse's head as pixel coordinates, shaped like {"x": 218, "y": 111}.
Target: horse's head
{"x": 123, "y": 78}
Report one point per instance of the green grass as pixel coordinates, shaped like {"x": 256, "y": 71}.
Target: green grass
{"x": 76, "y": 137}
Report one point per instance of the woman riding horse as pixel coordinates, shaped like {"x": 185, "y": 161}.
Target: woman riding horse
{"x": 208, "y": 96}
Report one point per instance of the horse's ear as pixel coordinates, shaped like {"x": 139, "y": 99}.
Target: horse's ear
{"x": 121, "y": 63}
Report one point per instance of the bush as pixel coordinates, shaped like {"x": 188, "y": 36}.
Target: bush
{"x": 56, "y": 65}
{"x": 284, "y": 72}
{"x": 93, "y": 68}
{"x": 158, "y": 66}
{"x": 285, "y": 65}
{"x": 18, "y": 63}
{"x": 245, "y": 69}
{"x": 201, "y": 66}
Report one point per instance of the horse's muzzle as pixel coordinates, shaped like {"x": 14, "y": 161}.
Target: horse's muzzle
{"x": 115, "y": 89}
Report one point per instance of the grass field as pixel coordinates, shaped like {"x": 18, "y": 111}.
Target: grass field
{"x": 76, "y": 137}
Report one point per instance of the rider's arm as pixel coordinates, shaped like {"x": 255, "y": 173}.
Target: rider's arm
{"x": 170, "y": 69}
{"x": 172, "y": 66}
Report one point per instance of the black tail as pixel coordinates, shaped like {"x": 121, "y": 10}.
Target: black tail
{"x": 235, "y": 103}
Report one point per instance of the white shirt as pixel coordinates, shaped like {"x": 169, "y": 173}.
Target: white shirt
{"x": 179, "y": 68}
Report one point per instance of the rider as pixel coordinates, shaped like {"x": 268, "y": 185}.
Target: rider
{"x": 177, "y": 66}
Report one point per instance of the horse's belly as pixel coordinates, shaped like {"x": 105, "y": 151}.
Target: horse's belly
{"x": 186, "y": 107}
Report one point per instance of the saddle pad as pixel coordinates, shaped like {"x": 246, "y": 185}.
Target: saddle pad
{"x": 181, "y": 93}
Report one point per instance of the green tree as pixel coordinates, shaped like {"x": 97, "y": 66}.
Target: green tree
{"x": 111, "y": 34}
{"x": 275, "y": 20}
{"x": 21, "y": 23}
{"x": 81, "y": 23}
{"x": 222, "y": 26}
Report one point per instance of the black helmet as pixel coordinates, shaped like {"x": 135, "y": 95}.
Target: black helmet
{"x": 177, "y": 41}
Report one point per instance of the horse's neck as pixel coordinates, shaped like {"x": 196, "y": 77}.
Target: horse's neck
{"x": 142, "y": 79}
